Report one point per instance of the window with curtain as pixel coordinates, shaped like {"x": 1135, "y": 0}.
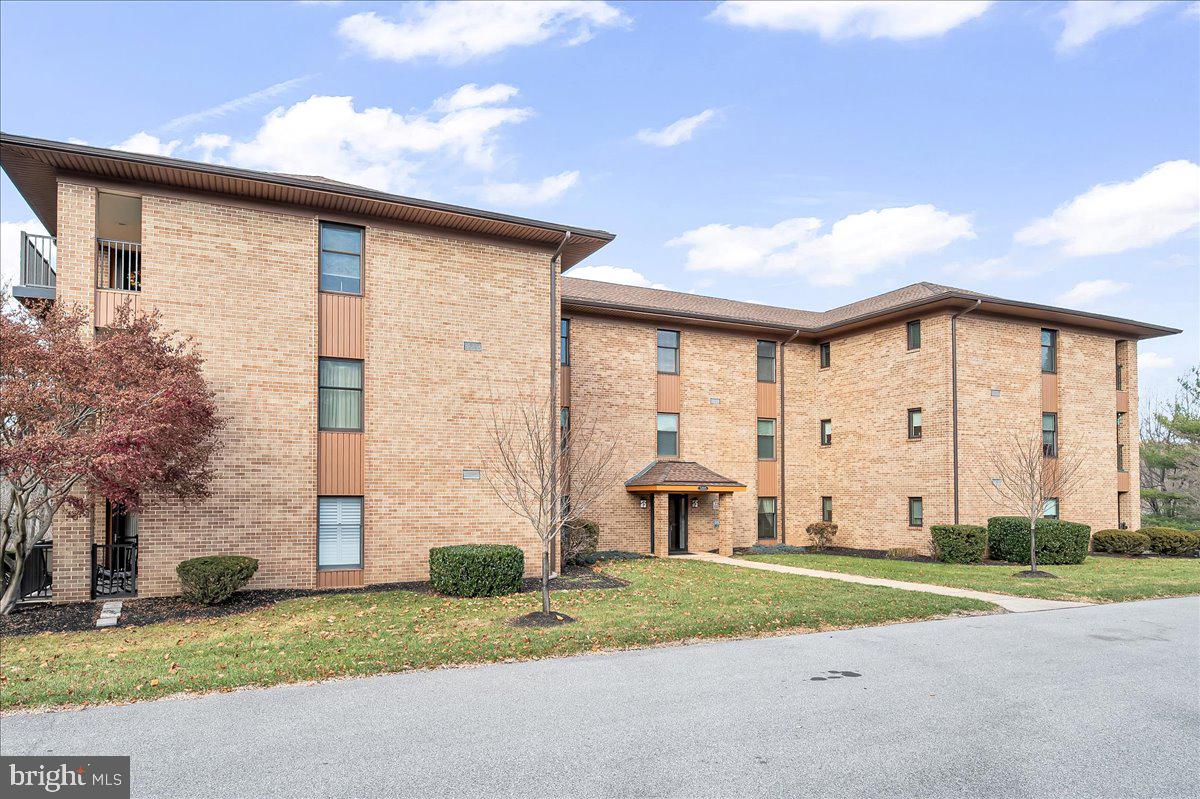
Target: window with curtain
{"x": 1049, "y": 350}
{"x": 668, "y": 435}
{"x": 1050, "y": 435}
{"x": 1050, "y": 508}
{"x": 341, "y": 258}
{"x": 916, "y": 512}
{"x": 565, "y": 429}
{"x": 668, "y": 352}
{"x": 826, "y": 432}
{"x": 766, "y": 439}
{"x": 766, "y": 361}
{"x": 339, "y": 390}
{"x": 766, "y": 517}
{"x": 823, "y": 354}
{"x": 564, "y": 334}
{"x": 914, "y": 334}
{"x": 914, "y": 422}
{"x": 339, "y": 532}
{"x": 826, "y": 509}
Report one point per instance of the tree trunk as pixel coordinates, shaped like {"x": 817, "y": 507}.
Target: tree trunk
{"x": 546, "y": 577}
{"x": 1033, "y": 546}
{"x": 12, "y": 592}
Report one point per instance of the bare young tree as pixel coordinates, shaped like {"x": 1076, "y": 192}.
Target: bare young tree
{"x": 549, "y": 473}
{"x": 1025, "y": 474}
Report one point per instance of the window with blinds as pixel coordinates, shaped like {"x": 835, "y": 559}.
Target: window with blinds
{"x": 339, "y": 532}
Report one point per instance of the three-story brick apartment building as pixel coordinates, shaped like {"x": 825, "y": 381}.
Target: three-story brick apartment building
{"x": 355, "y": 340}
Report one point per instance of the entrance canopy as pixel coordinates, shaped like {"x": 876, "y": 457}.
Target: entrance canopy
{"x": 681, "y": 477}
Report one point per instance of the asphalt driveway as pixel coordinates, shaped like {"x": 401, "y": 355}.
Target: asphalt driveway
{"x": 1089, "y": 702}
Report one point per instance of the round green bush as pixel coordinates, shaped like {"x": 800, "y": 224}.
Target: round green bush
{"x": 1058, "y": 542}
{"x": 476, "y": 569}
{"x": 959, "y": 543}
{"x": 212, "y": 579}
{"x": 1170, "y": 541}
{"x": 1120, "y": 542}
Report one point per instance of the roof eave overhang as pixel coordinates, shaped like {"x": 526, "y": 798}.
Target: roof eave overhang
{"x": 35, "y": 164}
{"x": 685, "y": 488}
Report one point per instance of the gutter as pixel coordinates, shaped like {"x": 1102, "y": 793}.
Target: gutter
{"x": 783, "y": 440}
{"x": 954, "y": 392}
{"x": 555, "y": 411}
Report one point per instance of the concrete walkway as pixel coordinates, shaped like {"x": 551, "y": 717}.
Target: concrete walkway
{"x": 1013, "y": 604}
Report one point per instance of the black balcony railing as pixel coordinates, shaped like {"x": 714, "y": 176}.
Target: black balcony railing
{"x": 114, "y": 569}
{"x": 36, "y": 578}
{"x": 118, "y": 265}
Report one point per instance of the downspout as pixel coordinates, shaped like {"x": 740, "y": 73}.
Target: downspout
{"x": 555, "y": 411}
{"x": 954, "y": 392}
{"x": 782, "y": 443}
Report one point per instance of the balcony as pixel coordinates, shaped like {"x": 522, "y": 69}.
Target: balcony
{"x": 118, "y": 278}
{"x": 39, "y": 268}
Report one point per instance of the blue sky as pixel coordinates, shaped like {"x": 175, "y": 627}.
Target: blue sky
{"x": 805, "y": 155}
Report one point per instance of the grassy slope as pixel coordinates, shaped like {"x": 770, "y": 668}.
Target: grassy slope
{"x": 368, "y": 633}
{"x": 1099, "y": 579}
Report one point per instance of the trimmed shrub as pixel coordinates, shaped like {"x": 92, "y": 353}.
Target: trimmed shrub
{"x": 901, "y": 553}
{"x": 476, "y": 569}
{"x": 1191, "y": 525}
{"x": 822, "y": 534}
{"x": 1120, "y": 542}
{"x": 770, "y": 549}
{"x": 959, "y": 543}
{"x": 1058, "y": 542}
{"x": 212, "y": 579}
{"x": 1170, "y": 541}
{"x": 579, "y": 542}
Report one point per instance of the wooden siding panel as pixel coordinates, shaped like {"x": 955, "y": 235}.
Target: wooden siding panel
{"x": 340, "y": 578}
{"x": 564, "y": 386}
{"x": 668, "y": 394}
{"x": 340, "y": 464}
{"x": 768, "y": 401}
{"x": 1122, "y": 402}
{"x": 1122, "y": 481}
{"x": 1049, "y": 393}
{"x": 107, "y": 302}
{"x": 768, "y": 478}
{"x": 340, "y": 325}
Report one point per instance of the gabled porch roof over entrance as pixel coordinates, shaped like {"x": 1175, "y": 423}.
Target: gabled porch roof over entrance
{"x": 680, "y": 477}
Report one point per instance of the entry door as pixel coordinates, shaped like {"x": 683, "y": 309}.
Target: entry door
{"x": 677, "y": 522}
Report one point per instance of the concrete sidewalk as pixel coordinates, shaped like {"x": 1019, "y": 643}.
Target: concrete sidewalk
{"x": 1013, "y": 604}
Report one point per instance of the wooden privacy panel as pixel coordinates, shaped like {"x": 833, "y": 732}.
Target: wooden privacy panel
{"x": 1049, "y": 393}
{"x": 108, "y": 301}
{"x": 668, "y": 394}
{"x": 768, "y": 401}
{"x": 339, "y": 464}
{"x": 340, "y": 326}
{"x": 564, "y": 389}
{"x": 340, "y": 578}
{"x": 1123, "y": 401}
{"x": 768, "y": 478}
{"x": 1122, "y": 481}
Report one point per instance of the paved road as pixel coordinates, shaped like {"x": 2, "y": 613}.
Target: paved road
{"x": 1089, "y": 702}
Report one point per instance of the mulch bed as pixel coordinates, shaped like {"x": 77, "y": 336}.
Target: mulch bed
{"x": 80, "y": 616}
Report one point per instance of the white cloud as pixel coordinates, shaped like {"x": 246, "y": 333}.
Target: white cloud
{"x": 1004, "y": 266}
{"x": 375, "y": 147}
{"x": 677, "y": 132}
{"x": 1087, "y": 293}
{"x": 10, "y": 249}
{"x": 1084, "y": 20}
{"x": 543, "y": 191}
{"x": 459, "y": 32}
{"x": 1152, "y": 360}
{"x": 874, "y": 19}
{"x": 237, "y": 104}
{"x": 853, "y": 246}
{"x": 614, "y": 274}
{"x": 209, "y": 143}
{"x": 143, "y": 142}
{"x": 1115, "y": 217}
{"x": 471, "y": 96}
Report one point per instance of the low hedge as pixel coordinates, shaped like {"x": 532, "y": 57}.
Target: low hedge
{"x": 1120, "y": 542}
{"x": 579, "y": 541}
{"x": 959, "y": 543}
{"x": 1170, "y": 541}
{"x": 476, "y": 569}
{"x": 212, "y": 579}
{"x": 1058, "y": 542}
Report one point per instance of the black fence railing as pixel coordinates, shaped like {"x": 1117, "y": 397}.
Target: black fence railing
{"x": 114, "y": 569}
{"x": 36, "y": 579}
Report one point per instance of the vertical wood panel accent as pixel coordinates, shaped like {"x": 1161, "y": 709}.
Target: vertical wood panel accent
{"x": 768, "y": 478}
{"x": 668, "y": 394}
{"x": 340, "y": 578}
{"x": 107, "y": 302}
{"x": 1123, "y": 481}
{"x": 564, "y": 388}
{"x": 340, "y": 463}
{"x": 1049, "y": 393}
{"x": 768, "y": 401}
{"x": 1123, "y": 401}
{"x": 340, "y": 326}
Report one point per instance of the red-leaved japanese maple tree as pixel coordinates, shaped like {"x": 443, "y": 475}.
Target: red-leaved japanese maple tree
{"x": 120, "y": 415}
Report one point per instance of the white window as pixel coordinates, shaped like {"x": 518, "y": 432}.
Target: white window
{"x": 339, "y": 532}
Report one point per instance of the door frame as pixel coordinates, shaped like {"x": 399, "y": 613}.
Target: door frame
{"x": 677, "y": 506}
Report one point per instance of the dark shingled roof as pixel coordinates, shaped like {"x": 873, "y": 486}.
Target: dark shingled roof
{"x": 660, "y": 473}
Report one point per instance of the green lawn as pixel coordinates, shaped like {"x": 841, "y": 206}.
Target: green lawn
{"x": 320, "y": 637}
{"x": 1097, "y": 579}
